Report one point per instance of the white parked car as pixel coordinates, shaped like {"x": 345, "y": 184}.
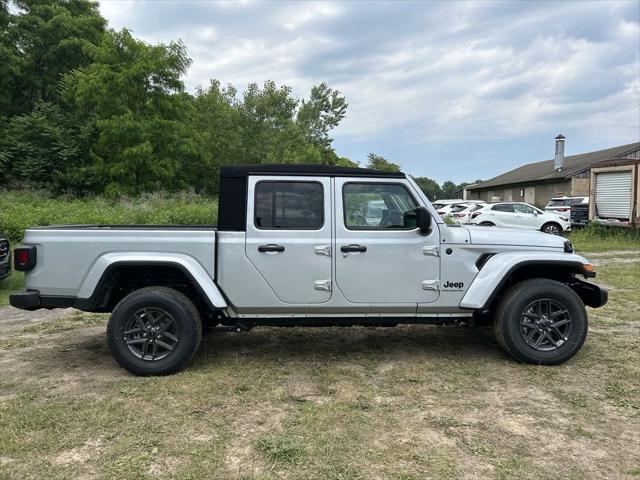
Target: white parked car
{"x": 448, "y": 209}
{"x": 439, "y": 204}
{"x": 519, "y": 215}
{"x": 561, "y": 206}
{"x": 461, "y": 212}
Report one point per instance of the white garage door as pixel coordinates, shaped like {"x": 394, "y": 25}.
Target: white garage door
{"x": 613, "y": 194}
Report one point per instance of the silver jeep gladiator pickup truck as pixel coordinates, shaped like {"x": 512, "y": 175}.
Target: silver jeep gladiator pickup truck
{"x": 310, "y": 245}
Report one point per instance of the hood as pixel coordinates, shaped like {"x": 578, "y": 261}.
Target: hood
{"x": 513, "y": 236}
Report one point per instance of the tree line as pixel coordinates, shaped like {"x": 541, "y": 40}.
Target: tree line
{"x": 87, "y": 110}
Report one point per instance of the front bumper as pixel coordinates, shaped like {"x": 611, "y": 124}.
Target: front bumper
{"x": 591, "y": 295}
{"x": 32, "y": 300}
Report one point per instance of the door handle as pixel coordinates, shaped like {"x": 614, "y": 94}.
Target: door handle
{"x": 353, "y": 248}
{"x": 271, "y": 247}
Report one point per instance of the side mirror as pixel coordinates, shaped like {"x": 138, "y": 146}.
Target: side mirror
{"x": 423, "y": 220}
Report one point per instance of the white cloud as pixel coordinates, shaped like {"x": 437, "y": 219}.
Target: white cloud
{"x": 418, "y": 73}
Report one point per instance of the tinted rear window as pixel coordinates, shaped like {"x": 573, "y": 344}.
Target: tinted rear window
{"x": 292, "y": 205}
{"x": 503, "y": 207}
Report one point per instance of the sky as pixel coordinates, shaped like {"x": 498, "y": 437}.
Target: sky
{"x": 449, "y": 90}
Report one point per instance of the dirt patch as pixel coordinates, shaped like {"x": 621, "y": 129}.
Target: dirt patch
{"x": 613, "y": 253}
{"x": 241, "y": 458}
{"x": 14, "y": 321}
{"x": 80, "y": 454}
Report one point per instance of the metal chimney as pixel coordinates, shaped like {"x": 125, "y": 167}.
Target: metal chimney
{"x": 558, "y": 163}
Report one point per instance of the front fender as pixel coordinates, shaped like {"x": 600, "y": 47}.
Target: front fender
{"x": 186, "y": 263}
{"x": 497, "y": 269}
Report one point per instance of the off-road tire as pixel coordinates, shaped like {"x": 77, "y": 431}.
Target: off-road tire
{"x": 187, "y": 323}
{"x": 510, "y": 311}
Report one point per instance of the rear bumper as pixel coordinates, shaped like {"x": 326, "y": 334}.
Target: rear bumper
{"x": 32, "y": 300}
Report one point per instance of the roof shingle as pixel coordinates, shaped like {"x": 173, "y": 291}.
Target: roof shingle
{"x": 541, "y": 171}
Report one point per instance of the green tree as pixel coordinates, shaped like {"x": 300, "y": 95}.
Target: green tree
{"x": 50, "y": 37}
{"x": 321, "y": 113}
{"x": 345, "y": 162}
{"x": 216, "y": 121}
{"x": 267, "y": 123}
{"x": 9, "y": 61}
{"x": 430, "y": 187}
{"x": 132, "y": 101}
{"x": 449, "y": 189}
{"x": 378, "y": 162}
{"x": 37, "y": 147}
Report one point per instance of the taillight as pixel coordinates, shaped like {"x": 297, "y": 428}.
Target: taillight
{"x": 24, "y": 258}
{"x": 475, "y": 214}
{"x": 563, "y": 209}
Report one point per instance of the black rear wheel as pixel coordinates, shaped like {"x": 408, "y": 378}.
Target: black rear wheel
{"x": 541, "y": 321}
{"x": 154, "y": 331}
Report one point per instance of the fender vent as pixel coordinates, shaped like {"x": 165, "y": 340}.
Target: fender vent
{"x": 482, "y": 259}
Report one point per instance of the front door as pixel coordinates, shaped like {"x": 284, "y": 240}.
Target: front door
{"x": 525, "y": 216}
{"x": 381, "y": 257}
{"x": 288, "y": 239}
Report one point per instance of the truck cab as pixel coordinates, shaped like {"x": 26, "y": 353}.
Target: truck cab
{"x": 311, "y": 245}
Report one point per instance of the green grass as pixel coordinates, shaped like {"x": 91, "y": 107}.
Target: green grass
{"x": 11, "y": 284}
{"x": 20, "y": 210}
{"x": 595, "y": 238}
{"x": 406, "y": 403}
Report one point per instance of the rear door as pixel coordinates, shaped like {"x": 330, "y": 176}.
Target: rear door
{"x": 289, "y": 233}
{"x": 502, "y": 214}
{"x": 387, "y": 261}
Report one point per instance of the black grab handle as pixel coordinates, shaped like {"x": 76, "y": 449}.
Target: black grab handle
{"x": 271, "y": 247}
{"x": 353, "y": 248}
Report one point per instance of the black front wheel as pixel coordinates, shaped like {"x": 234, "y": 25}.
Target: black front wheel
{"x": 154, "y": 331}
{"x": 541, "y": 321}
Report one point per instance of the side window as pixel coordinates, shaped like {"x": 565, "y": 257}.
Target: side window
{"x": 503, "y": 207}
{"x": 375, "y": 206}
{"x": 520, "y": 208}
{"x": 289, "y": 205}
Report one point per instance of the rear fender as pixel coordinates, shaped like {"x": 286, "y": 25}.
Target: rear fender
{"x": 189, "y": 265}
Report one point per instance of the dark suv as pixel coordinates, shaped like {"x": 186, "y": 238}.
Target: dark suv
{"x": 5, "y": 257}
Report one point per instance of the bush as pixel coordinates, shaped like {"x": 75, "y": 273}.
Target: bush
{"x": 23, "y": 209}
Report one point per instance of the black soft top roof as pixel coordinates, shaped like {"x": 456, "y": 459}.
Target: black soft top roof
{"x": 232, "y": 206}
{"x": 240, "y": 171}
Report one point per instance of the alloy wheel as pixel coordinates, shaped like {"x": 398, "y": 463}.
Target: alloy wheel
{"x": 552, "y": 229}
{"x": 545, "y": 325}
{"x": 151, "y": 334}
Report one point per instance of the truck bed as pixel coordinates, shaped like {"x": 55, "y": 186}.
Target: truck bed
{"x": 67, "y": 253}
{"x": 106, "y": 226}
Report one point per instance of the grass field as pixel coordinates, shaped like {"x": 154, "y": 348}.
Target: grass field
{"x": 23, "y": 209}
{"x": 357, "y": 403}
